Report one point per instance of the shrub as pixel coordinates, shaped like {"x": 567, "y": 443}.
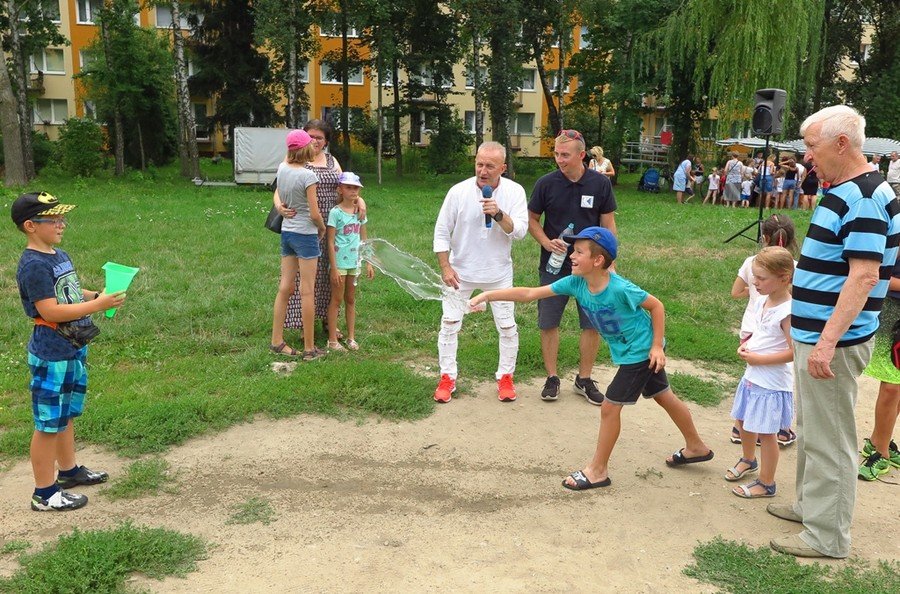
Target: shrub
{"x": 43, "y": 149}
{"x": 81, "y": 146}
{"x": 448, "y": 150}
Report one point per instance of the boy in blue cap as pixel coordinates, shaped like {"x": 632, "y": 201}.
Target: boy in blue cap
{"x": 633, "y": 323}
{"x": 52, "y": 296}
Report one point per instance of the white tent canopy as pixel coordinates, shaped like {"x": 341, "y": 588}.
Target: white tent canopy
{"x": 755, "y": 143}
{"x": 872, "y": 146}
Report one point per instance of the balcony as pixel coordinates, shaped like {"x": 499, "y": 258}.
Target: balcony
{"x": 36, "y": 83}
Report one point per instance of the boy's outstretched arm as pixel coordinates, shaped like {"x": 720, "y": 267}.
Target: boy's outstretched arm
{"x": 520, "y": 294}
{"x": 52, "y": 311}
{"x": 658, "y": 321}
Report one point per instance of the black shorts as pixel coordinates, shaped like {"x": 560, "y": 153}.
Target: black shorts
{"x": 636, "y": 379}
{"x": 550, "y": 309}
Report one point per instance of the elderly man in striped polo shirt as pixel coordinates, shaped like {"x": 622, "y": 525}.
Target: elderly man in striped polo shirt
{"x": 840, "y": 282}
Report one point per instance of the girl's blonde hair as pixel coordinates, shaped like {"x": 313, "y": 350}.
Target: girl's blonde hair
{"x": 301, "y": 156}
{"x": 776, "y": 260}
{"x": 597, "y": 152}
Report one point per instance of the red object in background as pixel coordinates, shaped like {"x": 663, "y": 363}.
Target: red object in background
{"x": 665, "y": 137}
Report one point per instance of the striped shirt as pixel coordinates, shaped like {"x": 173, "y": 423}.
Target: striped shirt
{"x": 859, "y": 218}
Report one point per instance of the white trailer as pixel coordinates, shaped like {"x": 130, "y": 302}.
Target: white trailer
{"x": 257, "y": 154}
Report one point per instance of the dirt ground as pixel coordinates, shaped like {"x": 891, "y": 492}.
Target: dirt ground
{"x": 466, "y": 500}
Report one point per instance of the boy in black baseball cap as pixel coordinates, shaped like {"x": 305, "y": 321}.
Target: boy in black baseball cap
{"x": 52, "y": 296}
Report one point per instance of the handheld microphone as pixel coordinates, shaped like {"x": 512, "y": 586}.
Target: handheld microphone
{"x": 487, "y": 192}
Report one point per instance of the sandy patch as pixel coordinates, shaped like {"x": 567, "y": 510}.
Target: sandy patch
{"x": 466, "y": 500}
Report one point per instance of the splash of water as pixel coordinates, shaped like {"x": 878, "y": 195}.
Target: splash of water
{"x": 412, "y": 274}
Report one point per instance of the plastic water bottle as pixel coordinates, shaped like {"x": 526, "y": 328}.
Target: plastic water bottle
{"x": 555, "y": 262}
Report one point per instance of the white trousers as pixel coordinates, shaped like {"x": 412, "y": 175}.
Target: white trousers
{"x": 504, "y": 320}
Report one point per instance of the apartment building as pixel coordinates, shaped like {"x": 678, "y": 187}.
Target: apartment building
{"x": 57, "y": 96}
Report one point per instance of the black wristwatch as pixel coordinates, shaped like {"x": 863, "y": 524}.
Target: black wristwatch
{"x": 499, "y": 216}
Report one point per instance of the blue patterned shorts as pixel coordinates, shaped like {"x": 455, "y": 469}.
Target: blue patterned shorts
{"x": 57, "y": 391}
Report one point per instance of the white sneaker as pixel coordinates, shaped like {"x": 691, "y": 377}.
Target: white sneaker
{"x": 59, "y": 501}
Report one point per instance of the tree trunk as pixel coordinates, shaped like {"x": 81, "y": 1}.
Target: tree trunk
{"x": 119, "y": 137}
{"x": 561, "y": 74}
{"x": 398, "y": 146}
{"x": 9, "y": 126}
{"x": 379, "y": 67}
{"x": 476, "y": 78}
{"x": 187, "y": 135}
{"x": 345, "y": 91}
{"x": 19, "y": 81}
{"x": 293, "y": 118}
{"x": 141, "y": 147}
{"x": 552, "y": 113}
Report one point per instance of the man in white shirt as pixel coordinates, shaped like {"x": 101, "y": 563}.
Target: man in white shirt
{"x": 876, "y": 162}
{"x": 893, "y": 173}
{"x": 473, "y": 236}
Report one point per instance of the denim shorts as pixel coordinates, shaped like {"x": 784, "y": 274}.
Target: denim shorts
{"x": 300, "y": 245}
{"x": 57, "y": 391}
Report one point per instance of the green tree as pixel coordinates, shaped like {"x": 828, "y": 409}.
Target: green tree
{"x": 610, "y": 83}
{"x": 130, "y": 80}
{"x": 839, "y": 33}
{"x": 285, "y": 29}
{"x": 874, "y": 91}
{"x": 723, "y": 50}
{"x": 231, "y": 67}
{"x": 34, "y": 30}
{"x": 81, "y": 146}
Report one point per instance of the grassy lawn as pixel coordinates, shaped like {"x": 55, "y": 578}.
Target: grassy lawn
{"x": 187, "y": 354}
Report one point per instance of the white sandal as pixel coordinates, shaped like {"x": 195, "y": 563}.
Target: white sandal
{"x": 335, "y": 346}
{"x": 352, "y": 345}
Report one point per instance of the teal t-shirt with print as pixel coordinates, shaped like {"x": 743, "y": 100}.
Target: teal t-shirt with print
{"x": 616, "y": 313}
{"x": 346, "y": 237}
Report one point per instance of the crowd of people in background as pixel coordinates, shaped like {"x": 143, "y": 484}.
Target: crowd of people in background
{"x": 744, "y": 181}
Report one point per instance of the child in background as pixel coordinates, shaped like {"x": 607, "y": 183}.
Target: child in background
{"x": 777, "y": 230}
{"x": 746, "y": 192}
{"x": 778, "y": 198}
{"x": 713, "y": 190}
{"x": 764, "y": 401}
{"x": 52, "y": 296}
{"x": 633, "y": 324}
{"x": 344, "y": 232}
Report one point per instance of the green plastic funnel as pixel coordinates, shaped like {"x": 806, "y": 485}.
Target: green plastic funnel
{"x": 118, "y": 278}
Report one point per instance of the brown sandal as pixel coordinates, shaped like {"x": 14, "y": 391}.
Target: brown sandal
{"x": 279, "y": 350}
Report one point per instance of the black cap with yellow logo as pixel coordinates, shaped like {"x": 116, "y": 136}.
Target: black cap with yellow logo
{"x": 28, "y": 206}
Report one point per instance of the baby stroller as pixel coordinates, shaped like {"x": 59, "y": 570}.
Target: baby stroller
{"x": 649, "y": 181}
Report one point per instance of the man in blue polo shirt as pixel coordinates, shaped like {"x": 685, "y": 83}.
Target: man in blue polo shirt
{"x": 839, "y": 285}
{"x": 580, "y": 196}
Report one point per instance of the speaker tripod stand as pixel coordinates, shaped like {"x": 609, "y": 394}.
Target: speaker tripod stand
{"x": 762, "y": 204}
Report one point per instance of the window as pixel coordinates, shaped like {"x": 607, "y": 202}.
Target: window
{"x": 554, "y": 84}
{"x": 51, "y": 111}
{"x": 585, "y": 39}
{"x": 48, "y": 61}
{"x": 522, "y": 123}
{"x": 90, "y": 110}
{"x": 88, "y": 10}
{"x": 329, "y": 76}
{"x": 865, "y": 50}
{"x": 387, "y": 78}
{"x": 469, "y": 119}
{"x": 335, "y": 31}
{"x": 528, "y": 79}
{"x": 428, "y": 79}
{"x": 87, "y": 58}
{"x": 48, "y": 8}
{"x": 164, "y": 17}
{"x": 332, "y": 115}
{"x": 470, "y": 77}
{"x": 201, "y": 120}
{"x": 303, "y": 73}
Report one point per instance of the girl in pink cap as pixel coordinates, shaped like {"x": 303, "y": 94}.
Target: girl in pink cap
{"x": 303, "y": 228}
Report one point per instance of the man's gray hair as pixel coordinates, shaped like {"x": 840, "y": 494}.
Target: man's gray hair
{"x": 492, "y": 145}
{"x": 837, "y": 120}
